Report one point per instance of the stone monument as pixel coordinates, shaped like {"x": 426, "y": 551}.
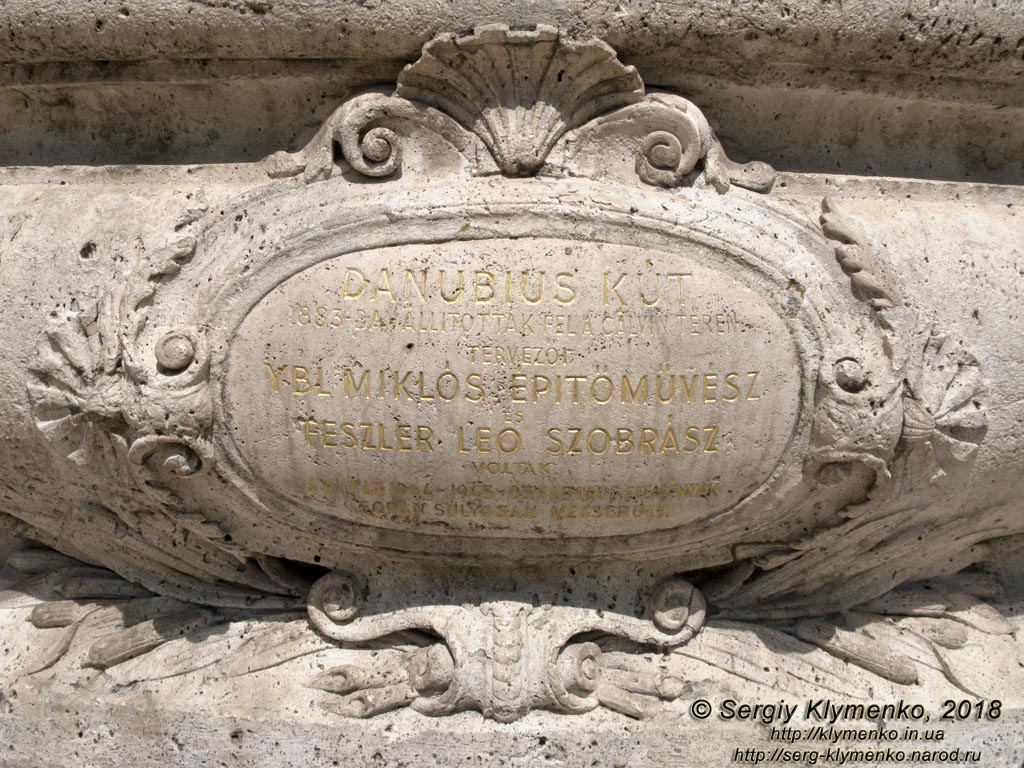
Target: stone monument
{"x": 507, "y": 419}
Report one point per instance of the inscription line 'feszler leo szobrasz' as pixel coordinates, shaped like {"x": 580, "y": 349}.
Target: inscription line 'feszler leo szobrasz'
{"x": 424, "y": 385}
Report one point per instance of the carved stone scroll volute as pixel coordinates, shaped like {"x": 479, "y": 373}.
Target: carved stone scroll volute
{"x": 522, "y": 103}
{"x": 503, "y": 658}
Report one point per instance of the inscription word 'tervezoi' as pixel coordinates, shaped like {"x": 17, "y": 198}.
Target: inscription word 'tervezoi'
{"x": 574, "y": 370}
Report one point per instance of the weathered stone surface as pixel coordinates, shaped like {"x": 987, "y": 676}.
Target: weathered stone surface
{"x": 926, "y": 90}
{"x": 500, "y": 388}
{"x": 508, "y": 395}
{"x": 946, "y": 36}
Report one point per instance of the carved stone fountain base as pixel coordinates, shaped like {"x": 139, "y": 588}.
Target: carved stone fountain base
{"x": 508, "y": 420}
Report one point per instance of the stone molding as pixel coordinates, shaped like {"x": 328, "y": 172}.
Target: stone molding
{"x": 959, "y": 37}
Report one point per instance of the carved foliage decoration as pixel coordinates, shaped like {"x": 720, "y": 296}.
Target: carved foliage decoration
{"x": 938, "y": 396}
{"x": 916, "y": 641}
{"x": 943, "y": 393}
{"x": 503, "y": 658}
{"x": 96, "y": 393}
{"x": 116, "y": 395}
{"x": 920, "y": 636}
{"x": 935, "y": 417}
{"x": 871, "y": 279}
{"x": 944, "y": 412}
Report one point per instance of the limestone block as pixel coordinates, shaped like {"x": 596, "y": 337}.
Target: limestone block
{"x": 508, "y": 396}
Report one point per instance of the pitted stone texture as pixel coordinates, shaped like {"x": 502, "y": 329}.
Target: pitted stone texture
{"x": 150, "y": 313}
{"x": 949, "y": 36}
{"x": 503, "y": 379}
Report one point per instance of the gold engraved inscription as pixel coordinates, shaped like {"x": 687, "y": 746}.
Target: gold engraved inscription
{"x": 663, "y": 388}
{"x": 584, "y": 395}
{"x": 627, "y": 324}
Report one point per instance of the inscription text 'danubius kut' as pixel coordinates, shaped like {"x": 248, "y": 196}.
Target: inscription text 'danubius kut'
{"x": 536, "y": 387}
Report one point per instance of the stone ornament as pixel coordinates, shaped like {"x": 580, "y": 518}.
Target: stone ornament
{"x": 515, "y": 359}
{"x": 91, "y": 394}
{"x": 508, "y": 99}
{"x": 532, "y": 657}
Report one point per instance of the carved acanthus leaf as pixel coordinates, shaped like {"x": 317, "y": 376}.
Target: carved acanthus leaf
{"x": 945, "y": 408}
{"x": 93, "y": 393}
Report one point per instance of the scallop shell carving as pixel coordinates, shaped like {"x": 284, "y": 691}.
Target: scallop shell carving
{"x": 520, "y": 91}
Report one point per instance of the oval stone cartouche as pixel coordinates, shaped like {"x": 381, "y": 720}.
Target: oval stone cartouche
{"x": 534, "y": 387}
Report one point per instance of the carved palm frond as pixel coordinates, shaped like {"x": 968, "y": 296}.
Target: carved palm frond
{"x": 922, "y": 636}
{"x": 111, "y": 622}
